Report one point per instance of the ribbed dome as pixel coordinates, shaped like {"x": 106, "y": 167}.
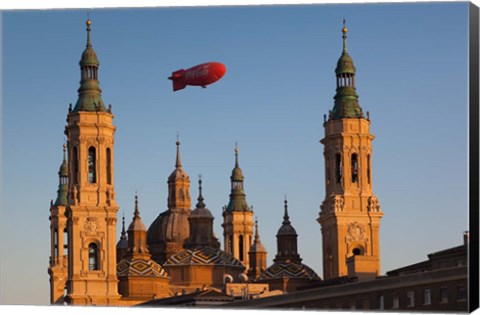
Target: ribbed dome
{"x": 169, "y": 226}
{"x": 237, "y": 174}
{"x": 89, "y": 58}
{"x": 63, "y": 169}
{"x": 286, "y": 229}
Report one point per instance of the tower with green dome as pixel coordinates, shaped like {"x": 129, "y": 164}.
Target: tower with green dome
{"x": 238, "y": 218}
{"x": 350, "y": 213}
{"x": 91, "y": 204}
{"x": 346, "y": 98}
{"x": 57, "y": 268}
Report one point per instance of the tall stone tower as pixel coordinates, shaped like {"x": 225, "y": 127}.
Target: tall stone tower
{"x": 350, "y": 214}
{"x": 91, "y": 210}
{"x": 168, "y": 232}
{"x": 238, "y": 218}
{"x": 58, "y": 269}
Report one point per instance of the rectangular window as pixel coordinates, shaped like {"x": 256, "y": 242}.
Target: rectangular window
{"x": 395, "y": 302}
{"x": 443, "y": 295}
{"x": 461, "y": 293}
{"x": 427, "y": 297}
{"x": 410, "y": 298}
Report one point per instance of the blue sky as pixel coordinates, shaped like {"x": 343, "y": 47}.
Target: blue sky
{"x": 411, "y": 62}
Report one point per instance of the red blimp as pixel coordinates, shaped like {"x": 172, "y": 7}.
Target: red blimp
{"x": 201, "y": 75}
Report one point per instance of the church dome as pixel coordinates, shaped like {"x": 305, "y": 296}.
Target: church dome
{"x": 169, "y": 226}
{"x": 288, "y": 270}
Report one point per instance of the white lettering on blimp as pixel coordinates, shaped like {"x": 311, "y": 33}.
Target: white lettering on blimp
{"x": 193, "y": 74}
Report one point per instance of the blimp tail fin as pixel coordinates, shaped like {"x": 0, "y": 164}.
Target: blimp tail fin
{"x": 178, "y": 80}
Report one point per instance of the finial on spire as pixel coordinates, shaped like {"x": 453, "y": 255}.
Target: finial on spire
{"x": 344, "y": 31}
{"x": 64, "y": 152}
{"x": 178, "y": 163}
{"x": 123, "y": 228}
{"x": 285, "y": 216}
{"x": 88, "y": 23}
{"x": 136, "y": 213}
{"x": 257, "y": 234}
{"x": 236, "y": 154}
{"x": 200, "y": 203}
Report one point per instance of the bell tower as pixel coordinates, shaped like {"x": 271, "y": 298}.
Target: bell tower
{"x": 91, "y": 210}
{"x": 350, "y": 214}
{"x": 238, "y": 218}
{"x": 59, "y": 238}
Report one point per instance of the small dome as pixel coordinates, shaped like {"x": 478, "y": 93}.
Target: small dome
{"x": 122, "y": 243}
{"x": 237, "y": 174}
{"x": 258, "y": 247}
{"x": 201, "y": 212}
{"x": 345, "y": 64}
{"x": 137, "y": 225}
{"x": 286, "y": 229}
{"x": 63, "y": 169}
{"x": 89, "y": 58}
{"x": 178, "y": 173}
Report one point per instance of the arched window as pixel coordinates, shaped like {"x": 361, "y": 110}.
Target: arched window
{"x": 65, "y": 242}
{"x": 55, "y": 242}
{"x": 240, "y": 247}
{"x": 93, "y": 257}
{"x": 357, "y": 251}
{"x": 237, "y": 184}
{"x": 109, "y": 166}
{"x": 75, "y": 165}
{"x": 92, "y": 178}
{"x": 338, "y": 168}
{"x": 354, "y": 168}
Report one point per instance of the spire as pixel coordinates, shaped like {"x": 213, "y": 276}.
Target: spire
{"x": 63, "y": 180}
{"x": 238, "y": 201}
{"x": 200, "y": 203}
{"x": 257, "y": 235}
{"x": 136, "y": 213}
{"x": 287, "y": 240}
{"x": 124, "y": 234}
{"x": 89, "y": 93}
{"x": 286, "y": 218}
{"x": 88, "y": 23}
{"x": 346, "y": 98}
{"x": 178, "y": 162}
{"x": 137, "y": 224}
{"x": 236, "y": 154}
{"x": 344, "y": 31}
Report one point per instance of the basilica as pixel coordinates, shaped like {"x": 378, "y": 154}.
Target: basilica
{"x": 179, "y": 254}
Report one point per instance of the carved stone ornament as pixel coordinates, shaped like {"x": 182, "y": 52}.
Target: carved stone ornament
{"x": 373, "y": 205}
{"x": 92, "y": 226}
{"x": 356, "y": 232}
